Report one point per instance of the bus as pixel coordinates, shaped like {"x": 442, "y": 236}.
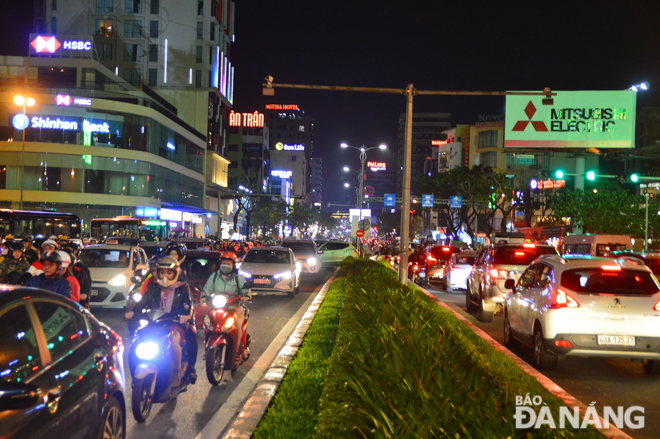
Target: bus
{"x": 129, "y": 227}
{"x": 38, "y": 224}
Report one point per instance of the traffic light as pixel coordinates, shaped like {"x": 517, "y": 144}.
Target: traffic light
{"x": 559, "y": 174}
{"x": 634, "y": 178}
{"x": 591, "y": 176}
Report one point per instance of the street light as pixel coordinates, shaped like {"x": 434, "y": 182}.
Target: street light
{"x": 363, "y": 157}
{"x": 637, "y": 87}
{"x": 22, "y": 101}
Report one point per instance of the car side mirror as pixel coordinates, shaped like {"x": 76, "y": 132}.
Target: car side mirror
{"x": 320, "y": 252}
{"x": 15, "y": 396}
{"x": 510, "y": 284}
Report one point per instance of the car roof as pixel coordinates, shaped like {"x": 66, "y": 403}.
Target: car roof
{"x": 570, "y": 261}
{"x": 298, "y": 240}
{"x": 202, "y": 252}
{"x": 270, "y": 247}
{"x": 154, "y": 244}
{"x": 12, "y": 293}
{"x": 109, "y": 247}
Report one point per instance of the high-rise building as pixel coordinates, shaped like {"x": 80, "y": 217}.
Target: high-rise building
{"x": 425, "y": 128}
{"x": 317, "y": 182}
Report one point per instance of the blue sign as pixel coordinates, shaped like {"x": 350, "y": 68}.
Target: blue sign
{"x": 390, "y": 200}
{"x": 455, "y": 202}
{"x": 427, "y": 200}
{"x": 146, "y": 212}
{"x": 20, "y": 121}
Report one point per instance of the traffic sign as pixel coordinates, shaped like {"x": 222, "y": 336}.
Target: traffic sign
{"x": 455, "y": 202}
{"x": 390, "y": 200}
{"x": 427, "y": 200}
{"x": 359, "y": 233}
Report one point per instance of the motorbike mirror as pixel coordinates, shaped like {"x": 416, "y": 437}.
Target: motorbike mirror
{"x": 15, "y": 396}
{"x": 510, "y": 284}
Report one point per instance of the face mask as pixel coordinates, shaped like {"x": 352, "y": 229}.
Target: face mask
{"x": 225, "y": 268}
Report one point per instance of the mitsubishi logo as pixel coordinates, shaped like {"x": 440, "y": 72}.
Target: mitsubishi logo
{"x": 45, "y": 44}
{"x": 530, "y": 110}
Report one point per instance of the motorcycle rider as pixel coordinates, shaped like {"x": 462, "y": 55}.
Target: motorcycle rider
{"x": 418, "y": 256}
{"x": 228, "y": 281}
{"x": 50, "y": 278}
{"x": 171, "y": 295}
{"x": 14, "y": 267}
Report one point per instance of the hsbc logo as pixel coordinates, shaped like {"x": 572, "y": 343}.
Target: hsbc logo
{"x": 50, "y": 44}
{"x": 530, "y": 111}
{"x": 67, "y": 100}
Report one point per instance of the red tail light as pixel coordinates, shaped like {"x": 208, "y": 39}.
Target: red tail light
{"x": 611, "y": 267}
{"x": 430, "y": 258}
{"x": 529, "y": 245}
{"x": 416, "y": 267}
{"x": 445, "y": 249}
{"x": 563, "y": 344}
{"x": 563, "y": 300}
{"x": 657, "y": 306}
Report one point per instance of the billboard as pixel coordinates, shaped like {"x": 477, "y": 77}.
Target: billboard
{"x": 576, "y": 119}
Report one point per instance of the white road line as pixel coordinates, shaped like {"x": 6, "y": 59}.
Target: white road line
{"x": 235, "y": 401}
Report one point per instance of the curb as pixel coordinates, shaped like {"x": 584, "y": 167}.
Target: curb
{"x": 550, "y": 386}
{"x": 256, "y": 405}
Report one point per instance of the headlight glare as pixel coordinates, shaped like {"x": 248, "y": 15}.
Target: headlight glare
{"x": 143, "y": 323}
{"x": 118, "y": 281}
{"x": 146, "y": 351}
{"x": 137, "y": 297}
{"x": 245, "y": 274}
{"x": 230, "y": 322}
{"x": 311, "y": 261}
{"x": 219, "y": 301}
{"x": 285, "y": 275}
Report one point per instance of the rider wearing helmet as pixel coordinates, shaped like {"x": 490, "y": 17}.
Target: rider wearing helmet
{"x": 14, "y": 267}
{"x": 172, "y": 295}
{"x": 228, "y": 281}
{"x": 50, "y": 278}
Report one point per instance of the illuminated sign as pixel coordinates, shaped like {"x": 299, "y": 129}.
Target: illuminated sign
{"x": 50, "y": 44}
{"x": 67, "y": 100}
{"x": 170, "y": 146}
{"x": 576, "y": 119}
{"x": 155, "y": 223}
{"x": 281, "y": 174}
{"x": 377, "y": 166}
{"x": 252, "y": 120}
{"x": 87, "y": 159}
{"x": 53, "y": 124}
{"x": 147, "y": 212}
{"x": 438, "y": 142}
{"x": 96, "y": 127}
{"x": 284, "y": 147}
{"x": 20, "y": 121}
{"x": 279, "y": 146}
{"x": 498, "y": 124}
{"x": 170, "y": 215}
{"x": 547, "y": 184}
{"x": 282, "y": 107}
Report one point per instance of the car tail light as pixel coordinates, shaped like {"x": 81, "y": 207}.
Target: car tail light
{"x": 445, "y": 249}
{"x": 529, "y": 245}
{"x": 657, "y": 306}
{"x": 611, "y": 267}
{"x": 563, "y": 344}
{"x": 563, "y": 300}
{"x": 520, "y": 253}
{"x": 498, "y": 274}
{"x": 430, "y": 258}
{"x": 416, "y": 267}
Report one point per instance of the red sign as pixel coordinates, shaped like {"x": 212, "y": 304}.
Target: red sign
{"x": 377, "y": 166}
{"x": 282, "y": 107}
{"x": 45, "y": 44}
{"x": 359, "y": 233}
{"x": 252, "y": 120}
{"x": 438, "y": 142}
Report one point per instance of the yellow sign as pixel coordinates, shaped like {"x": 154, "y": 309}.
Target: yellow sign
{"x": 279, "y": 146}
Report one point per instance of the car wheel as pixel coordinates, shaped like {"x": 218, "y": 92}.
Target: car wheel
{"x": 113, "y": 425}
{"x": 468, "y": 300}
{"x": 542, "y": 359}
{"x": 509, "y": 341}
{"x": 651, "y": 367}
{"x": 483, "y": 316}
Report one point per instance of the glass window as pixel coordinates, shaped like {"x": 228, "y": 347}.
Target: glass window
{"x": 198, "y": 58}
{"x": 268, "y": 256}
{"x": 53, "y": 25}
{"x": 521, "y": 255}
{"x": 487, "y": 139}
{"x": 595, "y": 280}
{"x": 104, "y": 6}
{"x": 54, "y": 5}
{"x": 292, "y": 158}
{"x": 153, "y": 53}
{"x": 133, "y": 29}
{"x": 19, "y": 353}
{"x": 198, "y": 78}
{"x": 212, "y": 31}
{"x": 132, "y": 52}
{"x": 155, "y": 6}
{"x": 104, "y": 51}
{"x": 200, "y": 268}
{"x": 153, "y": 77}
{"x": 200, "y": 30}
{"x": 65, "y": 329}
{"x": 153, "y": 29}
{"x": 105, "y": 258}
{"x": 103, "y": 28}
{"x": 200, "y": 7}
{"x": 132, "y": 76}
{"x": 133, "y": 6}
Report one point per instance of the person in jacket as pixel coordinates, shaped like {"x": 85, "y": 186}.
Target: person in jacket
{"x": 83, "y": 277}
{"x": 14, "y": 268}
{"x": 228, "y": 281}
{"x": 46, "y": 246}
{"x": 50, "y": 279}
{"x": 172, "y": 295}
{"x": 66, "y": 272}
{"x": 30, "y": 253}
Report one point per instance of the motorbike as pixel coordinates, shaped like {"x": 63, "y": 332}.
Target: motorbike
{"x": 152, "y": 362}
{"x": 223, "y": 349}
{"x": 417, "y": 273}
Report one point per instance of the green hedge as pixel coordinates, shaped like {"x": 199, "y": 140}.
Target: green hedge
{"x": 404, "y": 367}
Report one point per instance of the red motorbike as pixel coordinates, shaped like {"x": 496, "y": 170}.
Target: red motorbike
{"x": 224, "y": 350}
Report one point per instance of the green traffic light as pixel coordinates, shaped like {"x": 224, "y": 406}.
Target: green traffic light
{"x": 559, "y": 174}
{"x": 634, "y": 178}
{"x": 591, "y": 175}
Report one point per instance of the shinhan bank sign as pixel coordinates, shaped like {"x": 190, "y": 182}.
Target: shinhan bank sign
{"x": 22, "y": 122}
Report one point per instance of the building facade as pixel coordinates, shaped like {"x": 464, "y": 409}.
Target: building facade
{"x": 317, "y": 182}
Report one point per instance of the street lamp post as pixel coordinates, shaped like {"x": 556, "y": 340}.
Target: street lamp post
{"x": 24, "y": 102}
{"x": 363, "y": 158}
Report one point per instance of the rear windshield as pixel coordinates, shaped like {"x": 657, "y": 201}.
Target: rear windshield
{"x": 521, "y": 255}
{"x": 443, "y": 252}
{"x": 106, "y": 258}
{"x": 300, "y": 247}
{"x": 200, "y": 268}
{"x": 466, "y": 260}
{"x": 602, "y": 249}
{"x": 653, "y": 264}
{"x": 599, "y": 281}
{"x": 268, "y": 256}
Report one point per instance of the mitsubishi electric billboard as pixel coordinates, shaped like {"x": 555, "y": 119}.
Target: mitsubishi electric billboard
{"x": 576, "y": 119}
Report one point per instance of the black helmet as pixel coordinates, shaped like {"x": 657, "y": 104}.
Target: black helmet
{"x": 52, "y": 256}
{"x": 176, "y": 248}
{"x": 17, "y": 245}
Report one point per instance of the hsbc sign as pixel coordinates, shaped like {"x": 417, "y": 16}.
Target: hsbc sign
{"x": 577, "y": 119}
{"x": 50, "y": 44}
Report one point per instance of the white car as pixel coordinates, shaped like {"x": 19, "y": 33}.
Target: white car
{"x": 333, "y": 252}
{"x": 587, "y": 307}
{"x": 272, "y": 269}
{"x": 111, "y": 267}
{"x": 458, "y": 270}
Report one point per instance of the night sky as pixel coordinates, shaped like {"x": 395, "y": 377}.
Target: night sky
{"x": 435, "y": 45}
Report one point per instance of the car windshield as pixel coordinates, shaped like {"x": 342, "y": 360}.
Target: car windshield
{"x": 443, "y": 252}
{"x": 105, "y": 258}
{"x": 521, "y": 255}
{"x": 597, "y": 280}
{"x": 300, "y": 247}
{"x": 199, "y": 268}
{"x": 153, "y": 250}
{"x": 268, "y": 256}
{"x": 466, "y": 260}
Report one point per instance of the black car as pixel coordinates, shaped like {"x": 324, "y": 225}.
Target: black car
{"x": 61, "y": 370}
{"x": 649, "y": 258}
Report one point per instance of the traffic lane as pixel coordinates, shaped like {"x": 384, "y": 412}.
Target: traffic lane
{"x": 607, "y": 381}
{"x": 192, "y": 410}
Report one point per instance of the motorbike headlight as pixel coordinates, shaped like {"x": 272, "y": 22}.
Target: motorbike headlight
{"x": 118, "y": 281}
{"x": 143, "y": 323}
{"x": 311, "y": 261}
{"x": 285, "y": 275}
{"x": 137, "y": 297}
{"x": 245, "y": 274}
{"x": 146, "y": 351}
{"x": 230, "y": 322}
{"x": 219, "y": 301}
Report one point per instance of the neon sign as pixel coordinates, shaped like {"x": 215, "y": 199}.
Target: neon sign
{"x": 547, "y": 184}
{"x": 281, "y": 173}
{"x": 96, "y": 127}
{"x": 53, "y": 124}
{"x": 282, "y": 107}
{"x": 377, "y": 166}
{"x": 438, "y": 142}
{"x": 50, "y": 44}
{"x": 21, "y": 122}
{"x": 284, "y": 147}
{"x": 67, "y": 100}
{"x": 146, "y": 211}
{"x": 252, "y": 120}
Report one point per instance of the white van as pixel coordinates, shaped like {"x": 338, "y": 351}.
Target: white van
{"x": 594, "y": 245}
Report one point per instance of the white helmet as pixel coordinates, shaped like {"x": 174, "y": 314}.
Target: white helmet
{"x": 66, "y": 259}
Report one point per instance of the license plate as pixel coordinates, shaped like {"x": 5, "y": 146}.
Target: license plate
{"x": 262, "y": 281}
{"x": 616, "y": 340}
{"x": 94, "y": 293}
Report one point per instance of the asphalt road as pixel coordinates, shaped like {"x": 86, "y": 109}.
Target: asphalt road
{"x": 187, "y": 416}
{"x": 607, "y": 381}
